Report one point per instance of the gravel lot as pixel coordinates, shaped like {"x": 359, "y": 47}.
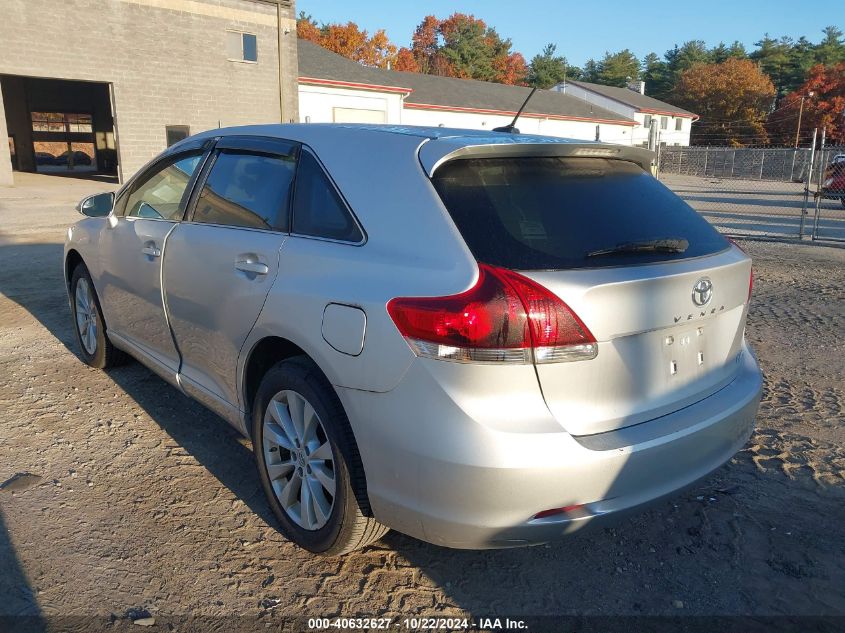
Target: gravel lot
{"x": 134, "y": 497}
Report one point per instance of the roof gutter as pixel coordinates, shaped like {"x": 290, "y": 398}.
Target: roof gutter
{"x": 334, "y": 83}
{"x": 673, "y": 113}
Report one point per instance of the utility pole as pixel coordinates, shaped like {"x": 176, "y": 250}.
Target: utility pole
{"x": 807, "y": 184}
{"x": 652, "y": 135}
{"x": 800, "y": 113}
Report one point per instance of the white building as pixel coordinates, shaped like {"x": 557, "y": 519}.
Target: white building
{"x": 673, "y": 124}
{"x": 333, "y": 88}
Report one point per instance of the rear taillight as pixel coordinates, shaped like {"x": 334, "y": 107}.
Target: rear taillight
{"x": 504, "y": 317}
{"x": 545, "y": 514}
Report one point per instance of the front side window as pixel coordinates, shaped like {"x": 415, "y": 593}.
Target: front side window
{"x": 160, "y": 195}
{"x": 679, "y": 124}
{"x": 647, "y": 121}
{"x": 247, "y": 190}
{"x": 318, "y": 210}
{"x": 664, "y": 123}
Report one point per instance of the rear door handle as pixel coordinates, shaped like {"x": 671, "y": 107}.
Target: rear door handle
{"x": 256, "y": 268}
{"x": 151, "y": 250}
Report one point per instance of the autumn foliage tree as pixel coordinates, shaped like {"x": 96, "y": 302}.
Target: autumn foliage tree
{"x": 464, "y": 46}
{"x": 348, "y": 40}
{"x": 307, "y": 29}
{"x": 732, "y": 98}
{"x": 424, "y": 46}
{"x": 458, "y": 46}
{"x": 824, "y": 110}
{"x": 406, "y": 61}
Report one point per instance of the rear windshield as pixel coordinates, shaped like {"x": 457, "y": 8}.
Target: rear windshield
{"x": 546, "y": 213}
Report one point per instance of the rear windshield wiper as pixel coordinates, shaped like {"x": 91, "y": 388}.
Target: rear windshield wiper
{"x": 663, "y": 245}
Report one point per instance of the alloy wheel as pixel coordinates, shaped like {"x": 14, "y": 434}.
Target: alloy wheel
{"x": 299, "y": 460}
{"x": 86, "y": 315}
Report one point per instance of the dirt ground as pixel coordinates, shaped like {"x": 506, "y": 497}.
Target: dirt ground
{"x": 130, "y": 496}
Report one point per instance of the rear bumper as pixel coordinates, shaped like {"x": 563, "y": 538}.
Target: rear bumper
{"x": 438, "y": 470}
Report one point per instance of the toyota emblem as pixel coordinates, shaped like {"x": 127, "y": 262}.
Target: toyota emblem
{"x": 702, "y": 291}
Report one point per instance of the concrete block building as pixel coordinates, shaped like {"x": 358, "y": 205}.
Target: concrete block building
{"x": 102, "y": 86}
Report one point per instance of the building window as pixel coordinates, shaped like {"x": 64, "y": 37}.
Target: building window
{"x": 664, "y": 123}
{"x": 176, "y": 133}
{"x": 62, "y": 141}
{"x": 64, "y": 122}
{"x": 647, "y": 122}
{"x": 679, "y": 124}
{"x": 241, "y": 47}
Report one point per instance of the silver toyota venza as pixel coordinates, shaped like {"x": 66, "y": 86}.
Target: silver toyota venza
{"x": 479, "y": 339}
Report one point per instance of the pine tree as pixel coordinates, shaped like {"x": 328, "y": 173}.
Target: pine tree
{"x": 617, "y": 69}
{"x": 547, "y": 69}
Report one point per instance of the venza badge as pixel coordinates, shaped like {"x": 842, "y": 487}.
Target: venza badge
{"x": 702, "y": 291}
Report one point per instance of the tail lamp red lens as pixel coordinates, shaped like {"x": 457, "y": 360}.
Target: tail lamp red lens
{"x": 503, "y": 317}
{"x": 545, "y": 514}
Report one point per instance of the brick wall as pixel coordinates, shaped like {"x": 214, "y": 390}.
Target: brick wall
{"x": 166, "y": 61}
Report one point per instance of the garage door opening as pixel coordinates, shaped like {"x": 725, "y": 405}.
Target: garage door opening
{"x": 60, "y": 127}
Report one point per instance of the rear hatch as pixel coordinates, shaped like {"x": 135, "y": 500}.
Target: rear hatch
{"x": 661, "y": 291}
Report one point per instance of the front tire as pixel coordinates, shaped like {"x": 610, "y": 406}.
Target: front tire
{"x": 308, "y": 461}
{"x": 89, "y": 326}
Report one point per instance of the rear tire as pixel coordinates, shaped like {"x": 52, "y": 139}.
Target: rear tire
{"x": 309, "y": 463}
{"x": 89, "y": 326}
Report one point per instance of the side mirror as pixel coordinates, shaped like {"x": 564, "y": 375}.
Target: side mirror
{"x": 97, "y": 206}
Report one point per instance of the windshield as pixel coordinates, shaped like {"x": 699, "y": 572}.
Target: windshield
{"x": 547, "y": 213}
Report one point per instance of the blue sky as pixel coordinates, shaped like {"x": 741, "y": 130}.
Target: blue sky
{"x": 587, "y": 28}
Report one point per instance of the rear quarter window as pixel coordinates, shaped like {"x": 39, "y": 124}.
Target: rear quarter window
{"x": 548, "y": 213}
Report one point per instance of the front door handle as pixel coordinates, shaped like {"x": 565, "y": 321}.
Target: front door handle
{"x": 151, "y": 249}
{"x": 256, "y": 268}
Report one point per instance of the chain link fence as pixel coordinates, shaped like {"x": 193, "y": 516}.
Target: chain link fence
{"x": 828, "y": 195}
{"x": 759, "y": 191}
{"x": 747, "y": 163}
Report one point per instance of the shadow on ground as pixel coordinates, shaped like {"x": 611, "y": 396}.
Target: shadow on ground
{"x": 207, "y": 437}
{"x": 94, "y": 177}
{"x": 19, "y": 609}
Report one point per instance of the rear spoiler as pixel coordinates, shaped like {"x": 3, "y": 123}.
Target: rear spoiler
{"x": 434, "y": 153}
